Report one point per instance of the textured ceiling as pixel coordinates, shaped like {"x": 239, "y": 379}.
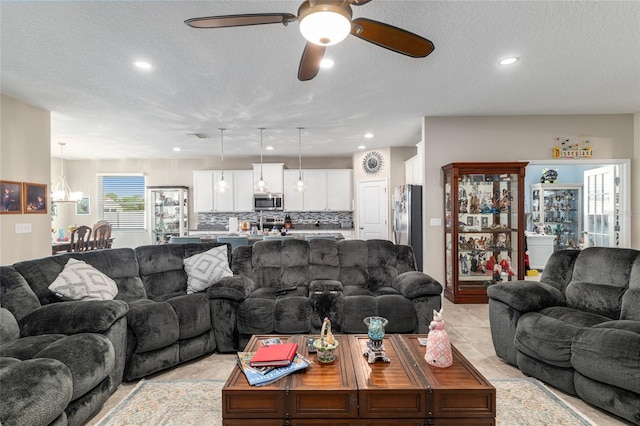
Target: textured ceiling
{"x": 75, "y": 60}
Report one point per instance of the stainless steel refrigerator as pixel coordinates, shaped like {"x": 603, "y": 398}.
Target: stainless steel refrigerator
{"x": 407, "y": 218}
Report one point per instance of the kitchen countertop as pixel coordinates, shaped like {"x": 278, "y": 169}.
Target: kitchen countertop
{"x": 296, "y": 228}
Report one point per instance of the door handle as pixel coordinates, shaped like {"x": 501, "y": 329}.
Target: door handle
{"x": 361, "y": 227}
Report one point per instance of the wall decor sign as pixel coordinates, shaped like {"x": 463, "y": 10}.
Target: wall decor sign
{"x": 11, "y": 197}
{"x": 35, "y": 198}
{"x": 576, "y": 148}
{"x": 82, "y": 206}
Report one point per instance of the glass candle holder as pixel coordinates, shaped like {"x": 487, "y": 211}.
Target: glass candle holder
{"x": 376, "y": 327}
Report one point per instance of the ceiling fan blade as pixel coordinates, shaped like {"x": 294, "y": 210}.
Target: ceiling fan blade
{"x": 310, "y": 61}
{"x": 359, "y": 2}
{"x": 240, "y": 20}
{"x": 392, "y": 38}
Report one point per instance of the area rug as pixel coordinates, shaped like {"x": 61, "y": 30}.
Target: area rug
{"x": 520, "y": 402}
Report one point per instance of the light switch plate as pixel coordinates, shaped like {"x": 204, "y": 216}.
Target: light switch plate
{"x": 23, "y": 228}
{"x": 436, "y": 221}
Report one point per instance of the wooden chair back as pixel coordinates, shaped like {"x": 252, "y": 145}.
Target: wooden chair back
{"x": 80, "y": 238}
{"x": 101, "y": 236}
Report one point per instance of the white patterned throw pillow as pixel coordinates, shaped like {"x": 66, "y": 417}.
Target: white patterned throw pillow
{"x": 205, "y": 269}
{"x": 80, "y": 281}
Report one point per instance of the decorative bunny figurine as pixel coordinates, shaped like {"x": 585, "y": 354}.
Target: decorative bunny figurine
{"x": 438, "y": 351}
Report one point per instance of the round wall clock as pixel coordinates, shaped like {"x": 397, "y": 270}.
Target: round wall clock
{"x": 372, "y": 163}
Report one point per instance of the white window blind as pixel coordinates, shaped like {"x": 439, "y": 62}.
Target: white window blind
{"x": 122, "y": 200}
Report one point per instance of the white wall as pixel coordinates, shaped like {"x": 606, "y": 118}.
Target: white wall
{"x": 24, "y": 157}
{"x": 512, "y": 138}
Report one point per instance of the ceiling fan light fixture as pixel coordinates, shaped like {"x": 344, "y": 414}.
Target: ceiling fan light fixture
{"x": 324, "y": 24}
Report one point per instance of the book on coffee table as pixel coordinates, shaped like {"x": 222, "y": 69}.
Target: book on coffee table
{"x": 274, "y": 355}
{"x": 260, "y": 376}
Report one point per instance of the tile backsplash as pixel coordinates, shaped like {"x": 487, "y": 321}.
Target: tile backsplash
{"x": 208, "y": 221}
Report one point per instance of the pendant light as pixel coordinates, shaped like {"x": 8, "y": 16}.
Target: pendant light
{"x": 261, "y": 186}
{"x": 300, "y": 185}
{"x": 222, "y": 184}
{"x": 62, "y": 193}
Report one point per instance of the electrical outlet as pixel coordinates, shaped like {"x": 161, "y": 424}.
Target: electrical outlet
{"x": 23, "y": 228}
{"x": 436, "y": 221}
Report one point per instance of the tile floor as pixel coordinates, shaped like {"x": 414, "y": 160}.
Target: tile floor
{"x": 468, "y": 329}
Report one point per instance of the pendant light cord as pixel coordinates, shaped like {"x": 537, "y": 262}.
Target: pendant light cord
{"x": 261, "y": 129}
{"x": 222, "y": 129}
{"x": 300, "y": 152}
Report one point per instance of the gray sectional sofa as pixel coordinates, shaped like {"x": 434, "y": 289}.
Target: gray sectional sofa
{"x": 290, "y": 286}
{"x": 60, "y": 360}
{"x": 578, "y": 329}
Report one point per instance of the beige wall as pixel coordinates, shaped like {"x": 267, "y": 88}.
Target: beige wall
{"x": 24, "y": 157}
{"x": 512, "y": 138}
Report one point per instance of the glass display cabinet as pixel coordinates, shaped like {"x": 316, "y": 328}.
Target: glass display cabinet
{"x": 484, "y": 227}
{"x": 169, "y": 212}
{"x": 556, "y": 209}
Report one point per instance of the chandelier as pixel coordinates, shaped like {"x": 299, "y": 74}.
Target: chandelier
{"x": 61, "y": 192}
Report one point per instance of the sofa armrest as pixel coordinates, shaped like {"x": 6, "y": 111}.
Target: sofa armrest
{"x": 526, "y": 296}
{"x": 413, "y": 284}
{"x": 91, "y": 316}
{"x": 237, "y": 287}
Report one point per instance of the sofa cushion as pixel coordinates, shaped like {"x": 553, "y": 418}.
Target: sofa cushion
{"x": 15, "y": 293}
{"x": 292, "y": 314}
{"x": 256, "y": 313}
{"x": 617, "y": 349}
{"x": 631, "y": 304}
{"x": 9, "y": 329}
{"x": 27, "y": 347}
{"x": 80, "y": 281}
{"x": 89, "y": 356}
{"x": 547, "y": 335}
{"x": 154, "y": 324}
{"x": 34, "y": 392}
{"x": 194, "y": 315}
{"x": 206, "y": 268}
{"x": 600, "y": 278}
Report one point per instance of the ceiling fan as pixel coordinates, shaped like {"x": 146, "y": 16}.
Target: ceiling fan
{"x": 325, "y": 23}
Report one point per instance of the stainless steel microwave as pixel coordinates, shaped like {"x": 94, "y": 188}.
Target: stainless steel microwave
{"x": 267, "y": 202}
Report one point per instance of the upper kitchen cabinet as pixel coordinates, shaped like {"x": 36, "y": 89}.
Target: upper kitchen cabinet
{"x": 203, "y": 190}
{"x": 238, "y": 198}
{"x": 272, "y": 173}
{"x": 326, "y": 190}
{"x": 293, "y": 200}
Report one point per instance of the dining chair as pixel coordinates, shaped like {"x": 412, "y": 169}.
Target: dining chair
{"x": 80, "y": 238}
{"x": 101, "y": 236}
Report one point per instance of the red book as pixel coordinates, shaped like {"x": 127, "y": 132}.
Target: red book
{"x": 274, "y": 355}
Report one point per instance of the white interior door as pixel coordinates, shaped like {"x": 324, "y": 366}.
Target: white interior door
{"x": 602, "y": 207}
{"x": 373, "y": 210}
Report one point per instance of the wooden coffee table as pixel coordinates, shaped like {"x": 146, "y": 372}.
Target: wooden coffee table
{"x": 350, "y": 391}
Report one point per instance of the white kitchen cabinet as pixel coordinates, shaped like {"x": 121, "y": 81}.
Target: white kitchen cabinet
{"x": 238, "y": 198}
{"x": 272, "y": 173}
{"x": 327, "y": 189}
{"x": 339, "y": 194}
{"x": 203, "y": 190}
{"x": 223, "y": 201}
{"x": 293, "y": 201}
{"x": 243, "y": 191}
{"x": 315, "y": 196}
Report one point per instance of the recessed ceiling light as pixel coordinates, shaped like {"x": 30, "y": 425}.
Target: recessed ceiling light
{"x": 177, "y": 149}
{"x": 509, "y": 61}
{"x": 368, "y": 135}
{"x": 362, "y": 147}
{"x": 326, "y": 63}
{"x": 142, "y": 65}
{"x": 268, "y": 148}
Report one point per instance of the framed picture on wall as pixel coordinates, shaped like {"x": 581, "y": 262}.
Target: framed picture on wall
{"x": 82, "y": 207}
{"x": 35, "y": 198}
{"x": 11, "y": 197}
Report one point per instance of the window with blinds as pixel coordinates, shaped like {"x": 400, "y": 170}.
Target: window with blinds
{"x": 121, "y": 200}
